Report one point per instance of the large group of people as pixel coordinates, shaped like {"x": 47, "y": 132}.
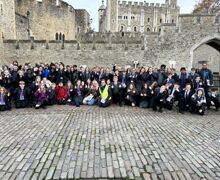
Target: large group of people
{"x": 41, "y": 85}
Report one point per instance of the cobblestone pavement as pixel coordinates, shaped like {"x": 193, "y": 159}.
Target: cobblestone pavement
{"x": 64, "y": 142}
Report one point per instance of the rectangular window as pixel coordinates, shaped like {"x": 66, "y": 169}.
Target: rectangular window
{"x": 119, "y": 17}
{"x": 217, "y": 19}
{"x": 1, "y": 9}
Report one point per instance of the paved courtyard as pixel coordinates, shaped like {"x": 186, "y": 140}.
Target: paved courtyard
{"x": 64, "y": 142}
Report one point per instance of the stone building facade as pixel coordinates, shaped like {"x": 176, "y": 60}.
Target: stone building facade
{"x": 82, "y": 21}
{"x": 136, "y": 17}
{"x": 40, "y": 19}
{"x": 193, "y": 39}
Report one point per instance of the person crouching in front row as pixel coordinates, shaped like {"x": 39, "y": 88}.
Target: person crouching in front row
{"x": 105, "y": 95}
{"x": 131, "y": 95}
{"x": 92, "y": 93}
{"x": 61, "y": 94}
{"x": 213, "y": 99}
{"x": 145, "y": 96}
{"x": 41, "y": 97}
{"x": 160, "y": 99}
{"x": 52, "y": 94}
{"x": 21, "y": 96}
{"x": 4, "y": 99}
{"x": 78, "y": 93}
{"x": 198, "y": 102}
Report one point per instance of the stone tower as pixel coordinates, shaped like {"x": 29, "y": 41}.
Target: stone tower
{"x": 112, "y": 15}
{"x": 7, "y": 19}
{"x": 173, "y": 3}
{"x": 101, "y": 17}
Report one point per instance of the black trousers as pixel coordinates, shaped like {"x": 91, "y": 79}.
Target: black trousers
{"x": 195, "y": 108}
{"x": 157, "y": 102}
{"x": 77, "y": 100}
{"x": 42, "y": 103}
{"x": 21, "y": 104}
{"x": 215, "y": 101}
{"x": 117, "y": 98}
{"x": 4, "y": 107}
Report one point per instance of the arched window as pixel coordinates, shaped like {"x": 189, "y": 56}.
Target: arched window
{"x": 135, "y": 29}
{"x": 1, "y": 9}
{"x": 63, "y": 37}
{"x": 148, "y": 19}
{"x": 28, "y": 13}
{"x": 60, "y": 37}
{"x": 160, "y": 20}
{"x": 172, "y": 20}
{"x": 159, "y": 29}
{"x": 148, "y": 29}
{"x": 57, "y": 36}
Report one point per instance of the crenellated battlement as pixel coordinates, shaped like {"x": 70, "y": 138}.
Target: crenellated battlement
{"x": 140, "y": 4}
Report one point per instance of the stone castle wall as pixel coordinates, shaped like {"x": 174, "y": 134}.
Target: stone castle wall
{"x": 47, "y": 18}
{"x": 7, "y": 19}
{"x": 174, "y": 46}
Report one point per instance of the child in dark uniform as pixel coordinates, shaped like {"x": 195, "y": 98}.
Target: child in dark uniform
{"x": 198, "y": 102}
{"x": 116, "y": 91}
{"x": 145, "y": 97}
{"x": 4, "y": 99}
{"x": 21, "y": 96}
{"x": 131, "y": 95}
{"x": 78, "y": 94}
{"x": 160, "y": 99}
{"x": 52, "y": 94}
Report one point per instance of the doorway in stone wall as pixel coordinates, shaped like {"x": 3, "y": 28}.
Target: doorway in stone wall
{"x": 206, "y": 51}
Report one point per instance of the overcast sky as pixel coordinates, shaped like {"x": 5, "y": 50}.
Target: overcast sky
{"x": 92, "y": 7}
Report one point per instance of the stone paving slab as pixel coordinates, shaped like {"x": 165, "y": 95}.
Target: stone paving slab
{"x": 64, "y": 142}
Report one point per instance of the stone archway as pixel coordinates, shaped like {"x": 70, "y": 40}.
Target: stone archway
{"x": 212, "y": 41}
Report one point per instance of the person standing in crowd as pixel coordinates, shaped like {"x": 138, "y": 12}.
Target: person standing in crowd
{"x": 183, "y": 78}
{"x": 116, "y": 91}
{"x": 151, "y": 76}
{"x": 61, "y": 75}
{"x": 197, "y": 83}
{"x": 161, "y": 75}
{"x": 192, "y": 75}
{"x": 207, "y": 78}
{"x": 7, "y": 80}
{"x": 105, "y": 95}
